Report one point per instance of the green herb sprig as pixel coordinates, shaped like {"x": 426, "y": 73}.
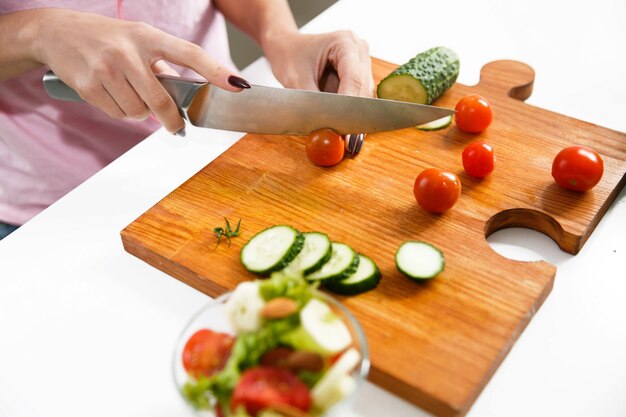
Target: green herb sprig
{"x": 226, "y": 232}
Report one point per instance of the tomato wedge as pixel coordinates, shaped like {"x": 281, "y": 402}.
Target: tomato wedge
{"x": 206, "y": 352}
{"x": 264, "y": 387}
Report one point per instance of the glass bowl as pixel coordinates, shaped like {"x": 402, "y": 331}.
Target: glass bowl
{"x": 213, "y": 316}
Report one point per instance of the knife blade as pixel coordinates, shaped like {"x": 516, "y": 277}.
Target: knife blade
{"x": 269, "y": 110}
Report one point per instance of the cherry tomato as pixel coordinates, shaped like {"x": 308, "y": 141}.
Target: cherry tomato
{"x": 436, "y": 190}
{"x": 473, "y": 114}
{"x": 206, "y": 352}
{"x": 478, "y": 159}
{"x": 577, "y": 168}
{"x": 265, "y": 386}
{"x": 324, "y": 147}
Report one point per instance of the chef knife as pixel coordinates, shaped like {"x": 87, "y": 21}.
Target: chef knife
{"x": 269, "y": 110}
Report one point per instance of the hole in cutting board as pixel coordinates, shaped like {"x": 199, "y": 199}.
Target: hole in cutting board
{"x": 526, "y": 235}
{"x": 521, "y": 244}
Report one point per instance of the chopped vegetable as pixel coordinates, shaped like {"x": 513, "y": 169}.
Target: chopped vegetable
{"x": 316, "y": 252}
{"x": 419, "y": 260}
{"x": 436, "y": 124}
{"x": 342, "y": 263}
{"x": 365, "y": 278}
{"x": 320, "y": 330}
{"x": 272, "y": 363}
{"x": 271, "y": 249}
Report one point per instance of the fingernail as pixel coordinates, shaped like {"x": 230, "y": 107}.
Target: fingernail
{"x": 238, "y": 82}
{"x": 181, "y": 133}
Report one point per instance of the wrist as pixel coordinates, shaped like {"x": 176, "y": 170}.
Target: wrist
{"x": 275, "y": 42}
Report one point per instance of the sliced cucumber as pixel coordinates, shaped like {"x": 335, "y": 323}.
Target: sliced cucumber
{"x": 436, "y": 124}
{"x": 316, "y": 251}
{"x": 320, "y": 330}
{"x": 366, "y": 277}
{"x": 271, "y": 249}
{"x": 243, "y": 307}
{"x": 423, "y": 79}
{"x": 419, "y": 260}
{"x": 336, "y": 383}
{"x": 343, "y": 262}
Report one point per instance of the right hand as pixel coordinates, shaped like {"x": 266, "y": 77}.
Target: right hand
{"x": 112, "y": 63}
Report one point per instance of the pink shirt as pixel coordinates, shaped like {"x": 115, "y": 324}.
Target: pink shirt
{"x": 48, "y": 147}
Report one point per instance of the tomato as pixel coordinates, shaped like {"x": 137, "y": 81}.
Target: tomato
{"x": 206, "y": 352}
{"x": 437, "y": 190}
{"x": 473, "y": 114}
{"x": 577, "y": 168}
{"x": 325, "y": 147}
{"x": 265, "y": 386}
{"x": 478, "y": 159}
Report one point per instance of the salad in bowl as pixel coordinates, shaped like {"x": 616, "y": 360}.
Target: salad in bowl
{"x": 272, "y": 347}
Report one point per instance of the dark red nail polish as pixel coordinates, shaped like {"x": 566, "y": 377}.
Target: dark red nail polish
{"x": 238, "y": 82}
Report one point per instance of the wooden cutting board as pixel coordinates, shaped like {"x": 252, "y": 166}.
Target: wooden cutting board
{"x": 435, "y": 344}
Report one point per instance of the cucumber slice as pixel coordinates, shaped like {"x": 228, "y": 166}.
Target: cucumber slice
{"x": 336, "y": 383}
{"x": 320, "y": 330}
{"x": 366, "y": 277}
{"x": 271, "y": 249}
{"x": 243, "y": 307}
{"x": 436, "y": 124}
{"x": 343, "y": 262}
{"x": 316, "y": 252}
{"x": 423, "y": 79}
{"x": 419, "y": 260}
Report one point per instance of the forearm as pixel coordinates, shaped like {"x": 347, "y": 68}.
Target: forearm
{"x": 17, "y": 45}
{"x": 262, "y": 20}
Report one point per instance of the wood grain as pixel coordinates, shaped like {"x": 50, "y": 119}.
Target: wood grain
{"x": 435, "y": 344}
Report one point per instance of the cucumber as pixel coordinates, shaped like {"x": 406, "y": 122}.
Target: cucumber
{"x": 336, "y": 383}
{"x": 423, "y": 79}
{"x": 320, "y": 330}
{"x": 271, "y": 249}
{"x": 366, "y": 277}
{"x": 343, "y": 262}
{"x": 316, "y": 251}
{"x": 419, "y": 260}
{"x": 243, "y": 307}
{"x": 436, "y": 124}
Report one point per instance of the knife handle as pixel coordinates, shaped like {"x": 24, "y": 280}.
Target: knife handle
{"x": 181, "y": 89}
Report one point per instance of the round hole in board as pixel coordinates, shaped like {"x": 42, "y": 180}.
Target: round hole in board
{"x": 522, "y": 244}
{"x": 527, "y": 235}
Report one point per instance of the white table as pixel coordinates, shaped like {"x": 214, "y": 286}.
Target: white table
{"x": 87, "y": 329}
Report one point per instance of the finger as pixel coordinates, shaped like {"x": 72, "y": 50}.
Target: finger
{"x": 126, "y": 97}
{"x": 162, "y": 67}
{"x": 156, "y": 98}
{"x": 367, "y": 89}
{"x": 349, "y": 71}
{"x": 189, "y": 55}
{"x": 96, "y": 95}
{"x": 354, "y": 66}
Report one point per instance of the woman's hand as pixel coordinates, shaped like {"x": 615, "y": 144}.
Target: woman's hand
{"x": 112, "y": 63}
{"x": 336, "y": 62}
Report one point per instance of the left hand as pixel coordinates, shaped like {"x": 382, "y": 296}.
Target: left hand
{"x": 335, "y": 62}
